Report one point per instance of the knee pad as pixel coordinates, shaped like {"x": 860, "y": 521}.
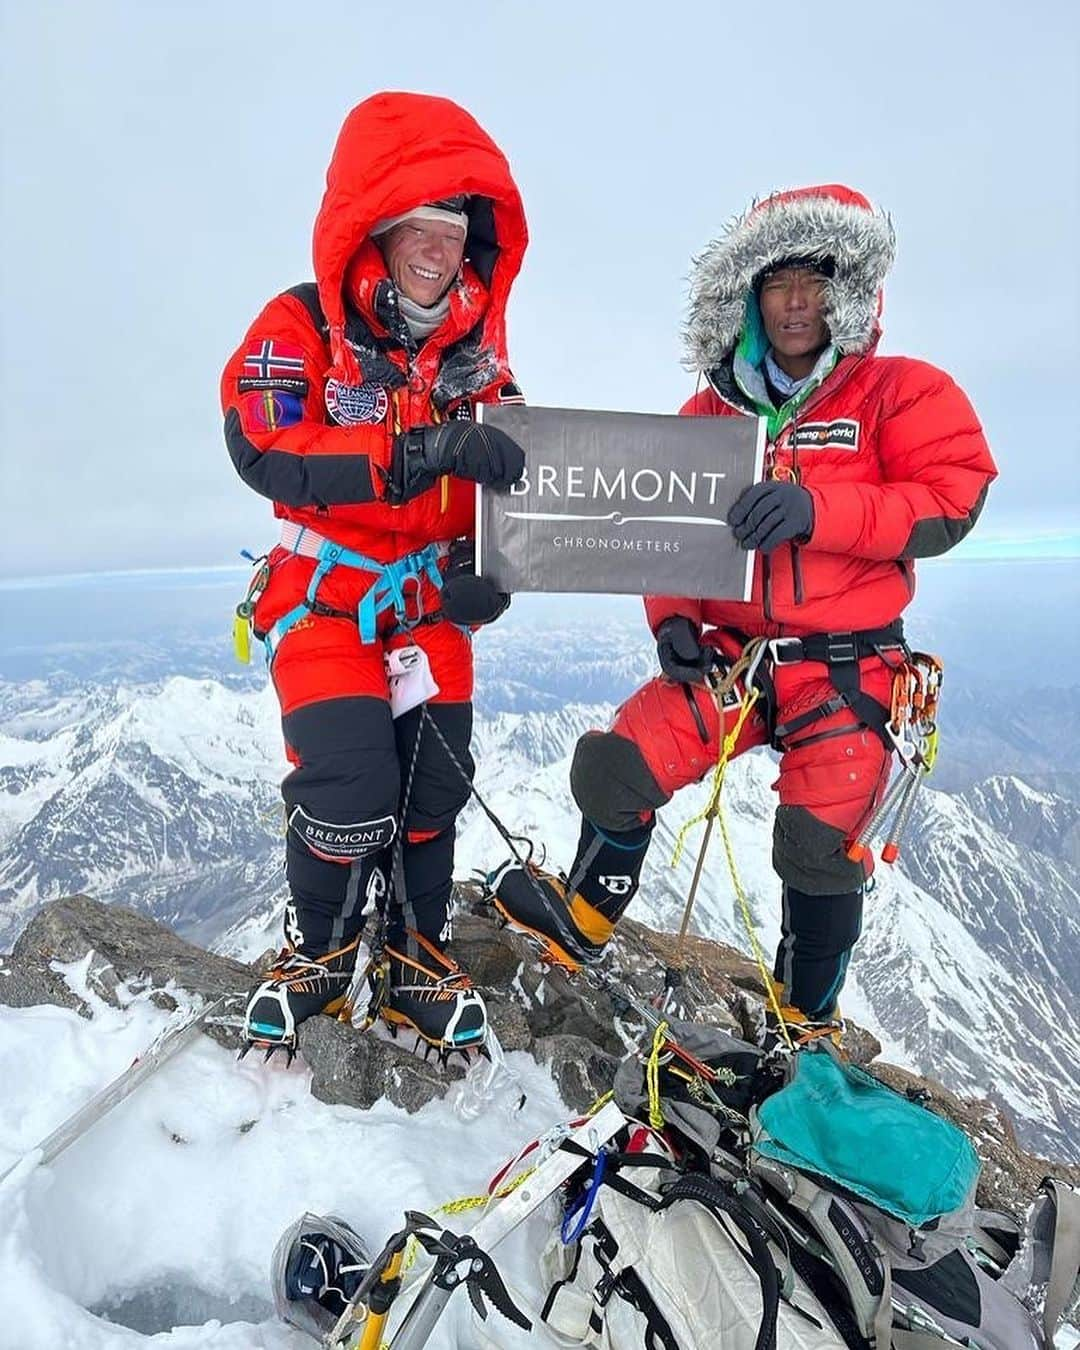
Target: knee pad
{"x": 341, "y": 799}
{"x": 612, "y": 784}
{"x": 337, "y": 841}
{"x": 810, "y": 855}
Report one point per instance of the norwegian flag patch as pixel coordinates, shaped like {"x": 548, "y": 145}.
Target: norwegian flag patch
{"x": 268, "y": 357}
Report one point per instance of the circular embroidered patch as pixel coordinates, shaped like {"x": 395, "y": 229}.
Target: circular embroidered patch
{"x": 350, "y": 404}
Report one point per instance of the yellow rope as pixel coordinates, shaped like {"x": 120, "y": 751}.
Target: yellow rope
{"x": 714, "y": 809}
{"x": 467, "y": 1202}
{"x": 751, "y": 932}
{"x": 652, "y": 1077}
{"x": 727, "y": 746}
{"x": 600, "y": 1101}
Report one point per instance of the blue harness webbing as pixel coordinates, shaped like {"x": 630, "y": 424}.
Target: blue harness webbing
{"x": 387, "y": 590}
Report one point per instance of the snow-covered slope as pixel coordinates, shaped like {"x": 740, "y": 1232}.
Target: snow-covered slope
{"x": 213, "y": 1160}
{"x": 166, "y": 798}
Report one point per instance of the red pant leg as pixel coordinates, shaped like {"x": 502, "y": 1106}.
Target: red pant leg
{"x": 659, "y": 719}
{"x": 831, "y": 775}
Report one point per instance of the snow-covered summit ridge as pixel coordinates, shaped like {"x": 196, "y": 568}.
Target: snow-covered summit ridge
{"x": 165, "y": 797}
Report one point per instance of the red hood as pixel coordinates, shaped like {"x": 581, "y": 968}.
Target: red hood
{"x": 396, "y": 151}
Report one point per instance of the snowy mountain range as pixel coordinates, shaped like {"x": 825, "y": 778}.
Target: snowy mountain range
{"x": 163, "y": 796}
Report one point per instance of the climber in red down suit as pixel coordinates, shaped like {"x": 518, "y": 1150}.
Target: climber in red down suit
{"x": 872, "y": 462}
{"x": 350, "y": 404}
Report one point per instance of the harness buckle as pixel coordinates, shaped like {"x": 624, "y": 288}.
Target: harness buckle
{"x": 411, "y": 583}
{"x": 841, "y": 649}
{"x": 789, "y": 657}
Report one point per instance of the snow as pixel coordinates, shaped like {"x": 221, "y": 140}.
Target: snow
{"x": 168, "y": 1210}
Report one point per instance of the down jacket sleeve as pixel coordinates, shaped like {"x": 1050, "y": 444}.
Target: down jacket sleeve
{"x": 661, "y": 607}
{"x": 936, "y": 468}
{"x": 295, "y": 457}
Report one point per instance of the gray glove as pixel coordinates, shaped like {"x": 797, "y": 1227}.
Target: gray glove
{"x": 767, "y": 514}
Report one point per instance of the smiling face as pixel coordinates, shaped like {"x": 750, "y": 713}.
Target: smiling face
{"x": 423, "y": 257}
{"x": 792, "y": 302}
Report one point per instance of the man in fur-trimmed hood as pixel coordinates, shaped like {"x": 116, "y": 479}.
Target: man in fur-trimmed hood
{"x": 871, "y": 463}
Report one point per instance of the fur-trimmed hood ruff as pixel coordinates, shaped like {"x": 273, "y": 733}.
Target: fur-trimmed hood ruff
{"x": 817, "y": 222}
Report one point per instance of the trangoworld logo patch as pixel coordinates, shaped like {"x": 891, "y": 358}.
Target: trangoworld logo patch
{"x": 353, "y": 404}
{"x": 341, "y": 843}
{"x": 616, "y": 885}
{"x": 839, "y": 435}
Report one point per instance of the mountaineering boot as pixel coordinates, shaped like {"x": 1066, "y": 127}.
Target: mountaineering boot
{"x": 296, "y": 987}
{"x": 431, "y": 995}
{"x": 569, "y": 931}
{"x": 801, "y": 1029}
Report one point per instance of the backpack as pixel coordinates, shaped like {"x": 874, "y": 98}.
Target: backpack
{"x": 878, "y": 1192}
{"x": 867, "y": 1201}
{"x": 671, "y": 1260}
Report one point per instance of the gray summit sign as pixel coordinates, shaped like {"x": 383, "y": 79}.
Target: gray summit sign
{"x": 620, "y": 503}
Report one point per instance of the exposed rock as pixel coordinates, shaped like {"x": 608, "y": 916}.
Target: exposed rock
{"x": 351, "y": 1069}
{"x": 128, "y": 949}
{"x": 577, "y": 1026}
{"x": 581, "y": 1069}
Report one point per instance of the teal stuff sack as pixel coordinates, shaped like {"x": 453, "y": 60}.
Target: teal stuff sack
{"x": 837, "y": 1122}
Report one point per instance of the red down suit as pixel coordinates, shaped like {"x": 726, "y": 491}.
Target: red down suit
{"x": 325, "y": 378}
{"x": 897, "y": 467}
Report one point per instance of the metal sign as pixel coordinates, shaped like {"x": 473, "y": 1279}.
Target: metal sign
{"x": 620, "y": 503}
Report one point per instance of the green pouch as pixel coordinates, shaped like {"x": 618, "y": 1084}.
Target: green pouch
{"x": 838, "y": 1122}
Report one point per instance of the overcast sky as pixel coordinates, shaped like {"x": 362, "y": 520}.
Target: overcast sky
{"x": 163, "y": 163}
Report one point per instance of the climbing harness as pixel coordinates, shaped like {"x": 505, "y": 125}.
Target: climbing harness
{"x": 841, "y": 654}
{"x": 395, "y": 586}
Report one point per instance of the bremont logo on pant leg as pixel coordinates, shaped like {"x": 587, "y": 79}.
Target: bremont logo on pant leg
{"x": 341, "y": 843}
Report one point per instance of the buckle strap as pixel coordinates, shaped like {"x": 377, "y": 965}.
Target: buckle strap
{"x": 841, "y": 653}
{"x": 836, "y": 649}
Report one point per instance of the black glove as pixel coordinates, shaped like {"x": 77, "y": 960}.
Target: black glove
{"x": 465, "y": 597}
{"x": 768, "y": 513}
{"x": 422, "y": 455}
{"x": 682, "y": 657}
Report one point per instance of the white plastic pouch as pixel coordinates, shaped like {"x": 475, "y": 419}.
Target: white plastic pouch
{"x": 408, "y": 673}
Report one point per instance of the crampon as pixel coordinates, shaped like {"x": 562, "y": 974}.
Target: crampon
{"x": 296, "y": 987}
{"x": 430, "y": 996}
